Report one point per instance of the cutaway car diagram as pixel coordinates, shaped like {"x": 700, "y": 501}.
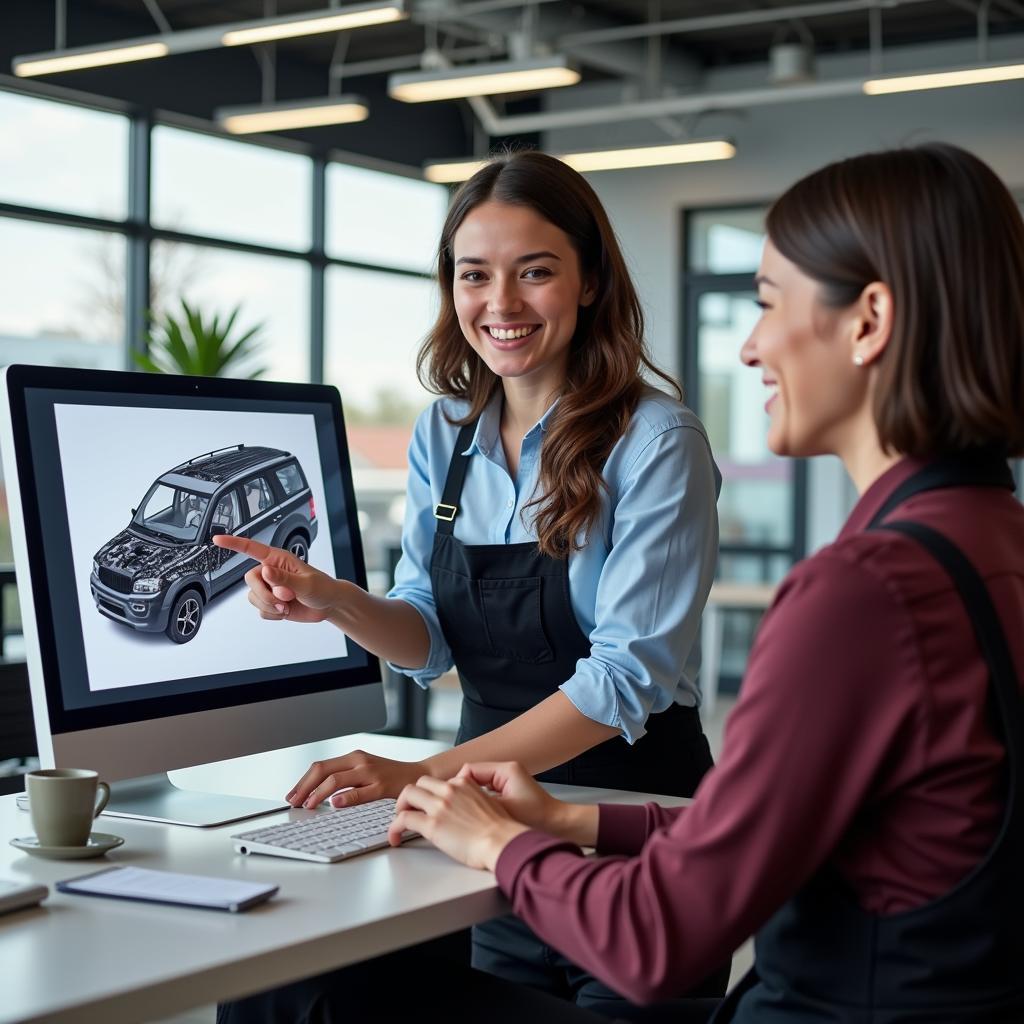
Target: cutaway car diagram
{"x": 160, "y": 572}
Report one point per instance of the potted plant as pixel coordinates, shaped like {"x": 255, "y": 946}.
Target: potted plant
{"x": 197, "y": 344}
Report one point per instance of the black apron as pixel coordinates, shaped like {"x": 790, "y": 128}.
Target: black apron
{"x": 956, "y": 960}
{"x": 508, "y": 619}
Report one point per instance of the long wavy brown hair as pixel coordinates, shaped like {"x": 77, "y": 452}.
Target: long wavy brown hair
{"x": 607, "y": 355}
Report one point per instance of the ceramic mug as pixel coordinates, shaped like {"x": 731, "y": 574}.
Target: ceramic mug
{"x": 62, "y": 802}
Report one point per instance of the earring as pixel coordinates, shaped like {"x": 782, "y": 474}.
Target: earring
{"x": 858, "y": 360}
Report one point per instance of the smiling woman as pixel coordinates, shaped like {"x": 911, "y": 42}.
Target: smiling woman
{"x": 560, "y": 532}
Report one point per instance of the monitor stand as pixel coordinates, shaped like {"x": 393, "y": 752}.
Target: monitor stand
{"x": 156, "y": 798}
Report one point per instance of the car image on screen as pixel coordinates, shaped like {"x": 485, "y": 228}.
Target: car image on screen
{"x": 160, "y": 572}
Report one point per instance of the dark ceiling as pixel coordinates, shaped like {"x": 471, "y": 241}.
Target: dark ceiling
{"x": 196, "y": 83}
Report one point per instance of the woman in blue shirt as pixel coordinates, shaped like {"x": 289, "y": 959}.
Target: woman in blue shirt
{"x": 561, "y": 531}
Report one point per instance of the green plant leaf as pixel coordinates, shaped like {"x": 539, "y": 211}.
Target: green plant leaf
{"x": 198, "y": 342}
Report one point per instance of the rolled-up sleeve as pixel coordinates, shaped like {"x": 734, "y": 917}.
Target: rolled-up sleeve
{"x": 653, "y": 584}
{"x": 412, "y": 574}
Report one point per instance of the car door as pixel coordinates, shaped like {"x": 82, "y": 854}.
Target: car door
{"x": 261, "y": 508}
{"x": 225, "y": 565}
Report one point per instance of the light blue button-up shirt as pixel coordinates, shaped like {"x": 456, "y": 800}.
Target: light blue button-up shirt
{"x": 639, "y": 584}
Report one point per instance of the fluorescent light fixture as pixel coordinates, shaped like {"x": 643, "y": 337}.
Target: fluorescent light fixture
{"x": 651, "y": 156}
{"x": 211, "y": 37}
{"x": 296, "y": 114}
{"x": 86, "y": 57}
{"x": 944, "y": 79}
{"x": 483, "y": 79}
{"x": 332, "y": 20}
{"x": 450, "y": 171}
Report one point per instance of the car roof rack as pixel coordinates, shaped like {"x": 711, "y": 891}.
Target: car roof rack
{"x": 206, "y": 455}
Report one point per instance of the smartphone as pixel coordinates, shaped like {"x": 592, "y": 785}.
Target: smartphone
{"x": 15, "y": 895}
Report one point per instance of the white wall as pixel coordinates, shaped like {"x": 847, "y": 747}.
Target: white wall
{"x": 777, "y": 145}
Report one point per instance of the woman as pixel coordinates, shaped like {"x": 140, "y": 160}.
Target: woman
{"x": 866, "y": 817}
{"x": 560, "y": 533}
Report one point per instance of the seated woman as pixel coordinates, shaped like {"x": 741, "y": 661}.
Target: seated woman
{"x": 866, "y": 818}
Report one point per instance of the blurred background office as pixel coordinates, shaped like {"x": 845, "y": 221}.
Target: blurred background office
{"x": 290, "y": 162}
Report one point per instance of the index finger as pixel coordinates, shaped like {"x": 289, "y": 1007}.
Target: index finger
{"x": 244, "y": 546}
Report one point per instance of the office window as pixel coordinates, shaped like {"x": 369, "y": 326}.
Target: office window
{"x": 725, "y": 241}
{"x": 755, "y": 508}
{"x": 383, "y": 218}
{"x": 57, "y": 156}
{"x": 272, "y": 291}
{"x": 375, "y": 323}
{"x": 221, "y": 188}
{"x": 64, "y": 294}
{"x": 761, "y": 505}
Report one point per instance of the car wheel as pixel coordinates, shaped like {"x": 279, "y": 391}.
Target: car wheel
{"x": 186, "y": 617}
{"x": 298, "y": 547}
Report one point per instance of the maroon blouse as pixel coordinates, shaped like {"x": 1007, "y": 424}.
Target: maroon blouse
{"x": 860, "y": 738}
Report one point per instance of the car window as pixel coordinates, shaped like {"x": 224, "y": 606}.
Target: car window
{"x": 226, "y": 515}
{"x": 172, "y": 513}
{"x": 290, "y": 479}
{"x": 257, "y": 496}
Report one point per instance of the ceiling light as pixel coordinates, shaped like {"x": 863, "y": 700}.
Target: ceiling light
{"x": 449, "y": 171}
{"x": 295, "y": 114}
{"x": 944, "y": 79}
{"x": 651, "y": 156}
{"x": 333, "y": 20}
{"x": 86, "y": 57}
{"x": 483, "y": 79}
{"x": 210, "y": 37}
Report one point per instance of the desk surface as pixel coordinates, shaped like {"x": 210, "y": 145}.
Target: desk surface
{"x": 76, "y": 958}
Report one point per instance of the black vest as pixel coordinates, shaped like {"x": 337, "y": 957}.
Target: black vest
{"x": 508, "y": 619}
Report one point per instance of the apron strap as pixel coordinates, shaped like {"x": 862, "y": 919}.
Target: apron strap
{"x": 448, "y": 508}
{"x": 977, "y": 468}
{"x": 989, "y": 632}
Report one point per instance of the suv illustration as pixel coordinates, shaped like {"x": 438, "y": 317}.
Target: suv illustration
{"x": 162, "y": 569}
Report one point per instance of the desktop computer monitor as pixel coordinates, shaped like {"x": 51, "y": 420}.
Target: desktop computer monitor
{"x": 144, "y": 654}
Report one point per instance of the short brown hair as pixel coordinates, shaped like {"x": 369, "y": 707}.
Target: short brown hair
{"x": 937, "y": 226}
{"x": 607, "y": 353}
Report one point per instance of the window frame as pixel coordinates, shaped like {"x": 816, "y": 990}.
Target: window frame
{"x": 140, "y": 233}
{"x": 695, "y": 285}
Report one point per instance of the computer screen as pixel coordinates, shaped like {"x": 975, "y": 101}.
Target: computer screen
{"x": 144, "y": 652}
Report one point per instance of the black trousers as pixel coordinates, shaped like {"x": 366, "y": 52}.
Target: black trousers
{"x": 422, "y": 985}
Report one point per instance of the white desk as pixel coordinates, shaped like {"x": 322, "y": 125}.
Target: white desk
{"x": 82, "y": 959}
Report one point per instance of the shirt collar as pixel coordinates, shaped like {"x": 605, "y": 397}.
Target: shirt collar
{"x": 487, "y": 435}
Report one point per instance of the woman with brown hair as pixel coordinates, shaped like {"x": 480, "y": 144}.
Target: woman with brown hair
{"x": 866, "y": 818}
{"x": 560, "y": 535}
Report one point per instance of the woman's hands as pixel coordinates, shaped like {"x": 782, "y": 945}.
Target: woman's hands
{"x": 363, "y": 777}
{"x": 458, "y": 817}
{"x": 474, "y": 826}
{"x": 283, "y": 586}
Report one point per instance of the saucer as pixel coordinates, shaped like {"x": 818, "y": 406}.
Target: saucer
{"x": 97, "y": 845}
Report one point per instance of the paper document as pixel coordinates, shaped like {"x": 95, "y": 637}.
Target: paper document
{"x": 170, "y": 887}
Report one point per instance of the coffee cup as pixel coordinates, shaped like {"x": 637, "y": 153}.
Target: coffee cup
{"x": 63, "y": 804}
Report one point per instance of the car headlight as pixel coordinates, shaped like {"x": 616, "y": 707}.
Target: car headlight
{"x": 95, "y": 567}
{"x": 150, "y": 586}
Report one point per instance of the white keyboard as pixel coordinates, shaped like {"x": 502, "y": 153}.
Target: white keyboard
{"x": 325, "y": 835}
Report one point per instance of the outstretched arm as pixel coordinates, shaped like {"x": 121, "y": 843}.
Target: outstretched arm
{"x": 282, "y": 586}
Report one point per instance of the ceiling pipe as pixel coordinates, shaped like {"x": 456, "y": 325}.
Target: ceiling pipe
{"x": 709, "y": 22}
{"x": 647, "y": 109}
{"x": 627, "y": 60}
